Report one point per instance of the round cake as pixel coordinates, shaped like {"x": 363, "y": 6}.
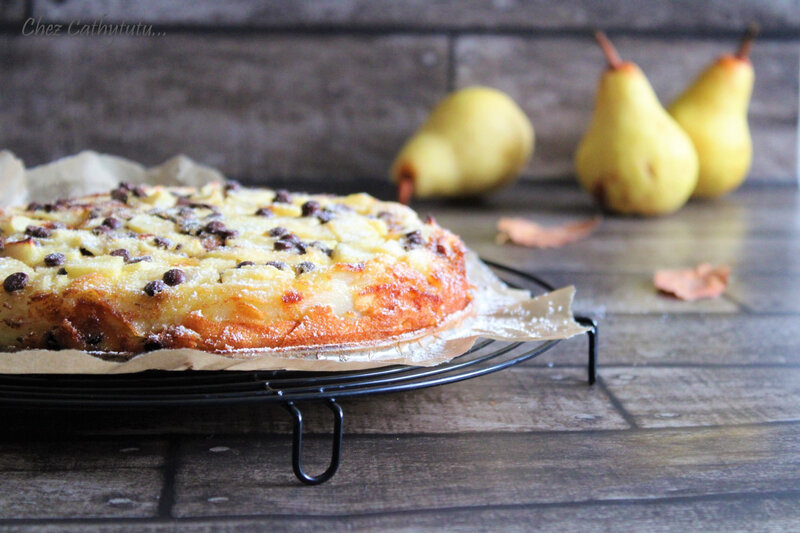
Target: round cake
{"x": 222, "y": 268}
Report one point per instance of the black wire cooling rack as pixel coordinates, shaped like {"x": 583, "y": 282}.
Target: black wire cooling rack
{"x": 153, "y": 389}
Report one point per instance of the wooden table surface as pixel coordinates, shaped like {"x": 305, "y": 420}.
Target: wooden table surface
{"x": 693, "y": 425}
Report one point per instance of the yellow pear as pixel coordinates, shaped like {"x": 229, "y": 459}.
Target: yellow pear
{"x": 713, "y": 111}
{"x": 634, "y": 158}
{"x": 475, "y": 140}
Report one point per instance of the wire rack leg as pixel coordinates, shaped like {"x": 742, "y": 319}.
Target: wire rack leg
{"x": 592, "y": 334}
{"x": 297, "y": 443}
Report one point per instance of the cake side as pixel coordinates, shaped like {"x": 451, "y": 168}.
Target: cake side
{"x": 221, "y": 269}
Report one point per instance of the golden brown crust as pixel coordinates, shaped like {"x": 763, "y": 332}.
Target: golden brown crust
{"x": 352, "y": 270}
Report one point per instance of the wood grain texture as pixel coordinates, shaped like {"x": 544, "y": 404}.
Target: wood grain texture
{"x": 668, "y": 397}
{"x": 767, "y": 293}
{"x": 554, "y": 80}
{"x": 644, "y": 255}
{"x": 310, "y": 107}
{"x": 64, "y": 455}
{"x": 599, "y": 294}
{"x": 724, "y": 513}
{"x": 41, "y": 479}
{"x": 471, "y": 14}
{"x": 12, "y": 11}
{"x": 426, "y": 472}
{"x": 79, "y": 494}
{"x": 523, "y": 398}
{"x": 752, "y": 214}
{"x": 256, "y": 107}
{"x": 672, "y": 339}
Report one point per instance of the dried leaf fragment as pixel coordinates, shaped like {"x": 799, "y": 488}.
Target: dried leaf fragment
{"x": 528, "y": 233}
{"x": 703, "y": 281}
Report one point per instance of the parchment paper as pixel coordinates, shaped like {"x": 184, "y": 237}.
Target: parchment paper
{"x": 497, "y": 311}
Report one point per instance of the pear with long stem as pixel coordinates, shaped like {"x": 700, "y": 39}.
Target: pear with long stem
{"x": 634, "y": 158}
{"x": 713, "y": 111}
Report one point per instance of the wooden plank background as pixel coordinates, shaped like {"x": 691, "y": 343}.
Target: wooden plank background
{"x": 303, "y": 91}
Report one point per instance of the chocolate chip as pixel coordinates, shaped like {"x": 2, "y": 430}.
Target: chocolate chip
{"x": 94, "y": 338}
{"x": 139, "y": 191}
{"x": 174, "y": 277}
{"x": 141, "y": 258}
{"x": 15, "y": 282}
{"x": 152, "y": 343}
{"x": 282, "y": 196}
{"x": 305, "y": 266}
{"x": 414, "y": 239}
{"x": 188, "y": 205}
{"x": 54, "y": 259}
{"x": 289, "y": 237}
{"x": 51, "y": 342}
{"x": 441, "y": 249}
{"x": 120, "y": 195}
{"x": 85, "y": 252}
{"x": 244, "y": 264}
{"x": 34, "y": 206}
{"x": 232, "y": 185}
{"x": 62, "y": 271}
{"x": 123, "y": 253}
{"x": 325, "y": 216}
{"x": 162, "y": 242}
{"x": 154, "y": 287}
{"x": 310, "y": 208}
{"x": 125, "y": 185}
{"x": 38, "y": 231}
{"x": 101, "y": 230}
{"x": 280, "y": 265}
{"x": 214, "y": 226}
{"x": 111, "y": 222}
{"x": 290, "y": 241}
{"x": 278, "y": 231}
{"x": 281, "y": 246}
{"x": 228, "y": 234}
{"x": 263, "y": 212}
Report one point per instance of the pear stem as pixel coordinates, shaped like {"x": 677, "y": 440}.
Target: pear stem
{"x": 405, "y": 188}
{"x": 747, "y": 41}
{"x": 608, "y": 50}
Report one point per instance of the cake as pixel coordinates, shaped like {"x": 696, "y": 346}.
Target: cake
{"x": 223, "y": 268}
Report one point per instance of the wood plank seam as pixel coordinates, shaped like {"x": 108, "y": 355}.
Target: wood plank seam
{"x": 287, "y": 437}
{"x": 166, "y": 498}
